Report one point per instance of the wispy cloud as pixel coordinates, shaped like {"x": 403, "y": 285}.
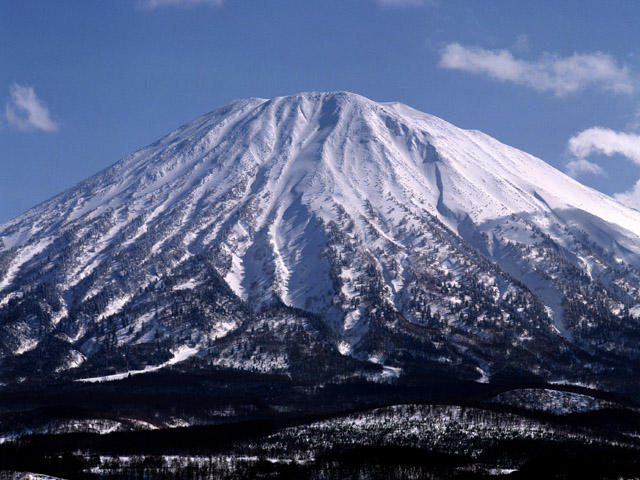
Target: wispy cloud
{"x": 153, "y": 4}
{"x": 560, "y": 75}
{"x": 579, "y": 166}
{"x": 604, "y": 141}
{"x": 25, "y": 111}
{"x": 630, "y": 198}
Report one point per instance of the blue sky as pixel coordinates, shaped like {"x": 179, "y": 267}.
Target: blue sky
{"x": 83, "y": 83}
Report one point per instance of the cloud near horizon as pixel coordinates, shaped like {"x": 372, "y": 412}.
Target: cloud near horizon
{"x": 604, "y": 141}
{"x": 608, "y": 142}
{"x": 560, "y": 75}
{"x": 630, "y": 198}
{"x": 579, "y": 166}
{"x": 25, "y": 111}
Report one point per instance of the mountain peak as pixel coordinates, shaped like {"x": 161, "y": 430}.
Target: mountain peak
{"x": 384, "y": 222}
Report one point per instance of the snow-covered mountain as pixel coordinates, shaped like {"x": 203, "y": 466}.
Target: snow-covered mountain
{"x": 370, "y": 237}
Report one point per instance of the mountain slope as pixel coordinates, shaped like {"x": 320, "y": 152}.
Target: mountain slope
{"x": 383, "y": 235}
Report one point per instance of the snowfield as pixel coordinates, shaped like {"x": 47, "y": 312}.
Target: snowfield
{"x": 398, "y": 230}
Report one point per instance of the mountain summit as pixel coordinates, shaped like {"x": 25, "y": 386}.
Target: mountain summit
{"x": 372, "y": 238}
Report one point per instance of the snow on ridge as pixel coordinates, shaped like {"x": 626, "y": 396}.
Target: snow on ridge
{"x": 23, "y": 256}
{"x": 179, "y": 355}
{"x": 553, "y": 401}
{"x": 479, "y": 175}
{"x": 114, "y": 306}
{"x": 186, "y": 285}
{"x": 270, "y": 189}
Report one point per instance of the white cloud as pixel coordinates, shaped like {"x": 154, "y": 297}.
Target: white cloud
{"x": 561, "y": 75}
{"x": 604, "y": 141}
{"x": 630, "y": 198}
{"x": 25, "y": 111}
{"x": 153, "y": 4}
{"x": 579, "y": 166}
